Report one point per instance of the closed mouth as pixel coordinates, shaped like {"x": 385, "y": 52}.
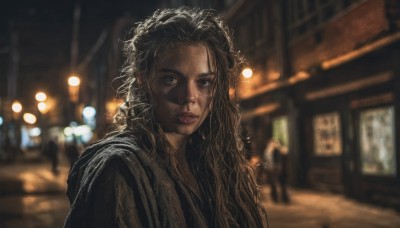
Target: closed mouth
{"x": 187, "y": 118}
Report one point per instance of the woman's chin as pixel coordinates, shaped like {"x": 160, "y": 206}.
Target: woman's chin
{"x": 186, "y": 130}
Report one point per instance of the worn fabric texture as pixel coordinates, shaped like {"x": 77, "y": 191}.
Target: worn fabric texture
{"x": 116, "y": 183}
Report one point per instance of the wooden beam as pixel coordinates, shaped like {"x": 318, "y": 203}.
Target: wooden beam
{"x": 261, "y": 110}
{"x": 328, "y": 64}
{"x": 296, "y": 78}
{"x": 373, "y": 100}
{"x": 348, "y": 87}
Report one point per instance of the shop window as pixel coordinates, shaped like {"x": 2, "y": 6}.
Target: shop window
{"x": 377, "y": 141}
{"x": 327, "y": 134}
{"x": 280, "y": 130}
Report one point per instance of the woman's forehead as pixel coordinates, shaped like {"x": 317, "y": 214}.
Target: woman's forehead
{"x": 179, "y": 46}
{"x": 196, "y": 54}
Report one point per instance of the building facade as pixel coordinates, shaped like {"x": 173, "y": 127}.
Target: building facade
{"x": 326, "y": 83}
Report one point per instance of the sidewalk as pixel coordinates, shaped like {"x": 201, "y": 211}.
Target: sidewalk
{"x": 31, "y": 196}
{"x": 32, "y": 175}
{"x": 315, "y": 209}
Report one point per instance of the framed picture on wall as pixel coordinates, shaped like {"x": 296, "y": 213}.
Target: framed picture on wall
{"x": 327, "y": 134}
{"x": 377, "y": 141}
{"x": 280, "y": 130}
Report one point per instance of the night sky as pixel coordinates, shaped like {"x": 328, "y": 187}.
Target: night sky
{"x": 44, "y": 33}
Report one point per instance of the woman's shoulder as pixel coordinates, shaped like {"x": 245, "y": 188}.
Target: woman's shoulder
{"x": 122, "y": 149}
{"x": 122, "y": 146}
{"x": 117, "y": 145}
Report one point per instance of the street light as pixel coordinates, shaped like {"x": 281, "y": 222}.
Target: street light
{"x": 247, "y": 72}
{"x": 40, "y": 96}
{"x": 16, "y": 107}
{"x": 89, "y": 112}
{"x": 73, "y": 88}
{"x": 74, "y": 81}
{"x": 42, "y": 107}
{"x": 29, "y": 118}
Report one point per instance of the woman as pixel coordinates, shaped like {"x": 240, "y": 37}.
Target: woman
{"x": 177, "y": 159}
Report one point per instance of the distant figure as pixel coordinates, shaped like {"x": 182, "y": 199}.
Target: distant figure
{"x": 275, "y": 164}
{"x": 53, "y": 151}
{"x": 9, "y": 155}
{"x": 72, "y": 152}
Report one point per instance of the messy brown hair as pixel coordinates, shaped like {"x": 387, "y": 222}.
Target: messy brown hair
{"x": 219, "y": 163}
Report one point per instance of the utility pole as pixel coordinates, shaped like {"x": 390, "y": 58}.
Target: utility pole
{"x": 72, "y": 103}
{"x": 13, "y": 133}
{"x": 12, "y": 77}
{"x": 75, "y": 37}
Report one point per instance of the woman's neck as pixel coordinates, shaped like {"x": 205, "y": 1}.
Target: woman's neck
{"x": 179, "y": 143}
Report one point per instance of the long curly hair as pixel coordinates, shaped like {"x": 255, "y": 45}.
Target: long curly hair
{"x": 217, "y": 157}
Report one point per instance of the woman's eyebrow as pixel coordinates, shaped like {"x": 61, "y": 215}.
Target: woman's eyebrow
{"x": 203, "y": 75}
{"x": 168, "y": 70}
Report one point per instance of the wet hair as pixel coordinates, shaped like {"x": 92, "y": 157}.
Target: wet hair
{"x": 216, "y": 157}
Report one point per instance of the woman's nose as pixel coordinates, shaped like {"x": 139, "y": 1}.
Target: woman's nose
{"x": 188, "y": 94}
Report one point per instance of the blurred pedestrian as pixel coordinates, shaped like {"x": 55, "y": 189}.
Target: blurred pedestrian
{"x": 276, "y": 165}
{"x": 9, "y": 153}
{"x": 53, "y": 153}
{"x": 177, "y": 158}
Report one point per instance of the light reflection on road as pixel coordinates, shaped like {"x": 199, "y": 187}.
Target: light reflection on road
{"x": 43, "y": 181}
{"x": 45, "y": 211}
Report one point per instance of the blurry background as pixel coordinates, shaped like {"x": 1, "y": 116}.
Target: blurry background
{"x": 322, "y": 79}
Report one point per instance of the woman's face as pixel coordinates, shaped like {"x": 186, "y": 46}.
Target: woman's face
{"x": 183, "y": 88}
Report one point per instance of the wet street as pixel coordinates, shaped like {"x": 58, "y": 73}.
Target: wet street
{"x": 31, "y": 196}
{"x": 314, "y": 209}
{"x": 33, "y": 211}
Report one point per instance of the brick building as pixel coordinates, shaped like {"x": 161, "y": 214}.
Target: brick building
{"x": 326, "y": 83}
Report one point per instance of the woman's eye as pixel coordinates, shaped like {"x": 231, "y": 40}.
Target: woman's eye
{"x": 204, "y": 82}
{"x": 170, "y": 80}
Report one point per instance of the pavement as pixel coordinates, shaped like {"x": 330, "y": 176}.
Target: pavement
{"x": 326, "y": 210}
{"x": 31, "y": 196}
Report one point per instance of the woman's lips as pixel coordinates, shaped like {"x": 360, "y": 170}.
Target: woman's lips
{"x": 187, "y": 118}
